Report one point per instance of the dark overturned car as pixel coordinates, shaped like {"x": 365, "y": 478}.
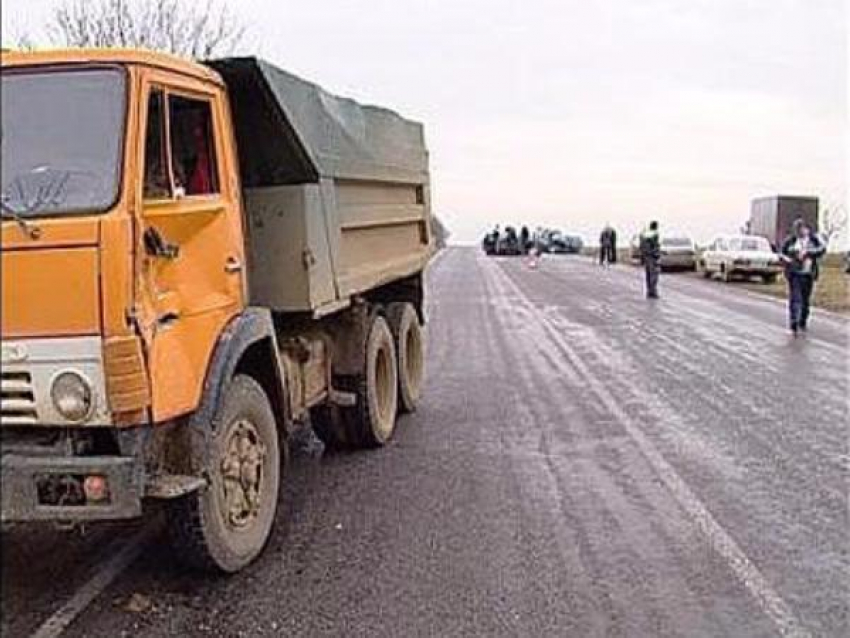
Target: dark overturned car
{"x": 502, "y": 243}
{"x": 556, "y": 242}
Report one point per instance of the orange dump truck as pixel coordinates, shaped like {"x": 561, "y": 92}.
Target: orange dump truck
{"x": 196, "y": 260}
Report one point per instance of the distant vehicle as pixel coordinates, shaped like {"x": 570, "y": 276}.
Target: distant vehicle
{"x": 558, "y": 242}
{"x": 574, "y": 243}
{"x": 540, "y": 239}
{"x": 743, "y": 255}
{"x": 771, "y": 217}
{"x": 508, "y": 242}
{"x": 489, "y": 243}
{"x": 503, "y": 243}
{"x": 678, "y": 251}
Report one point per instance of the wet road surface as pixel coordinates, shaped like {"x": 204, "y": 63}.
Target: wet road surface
{"x": 586, "y": 462}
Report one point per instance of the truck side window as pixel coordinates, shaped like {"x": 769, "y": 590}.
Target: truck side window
{"x": 192, "y": 149}
{"x": 157, "y": 184}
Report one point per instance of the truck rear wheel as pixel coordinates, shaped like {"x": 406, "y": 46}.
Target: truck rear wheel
{"x": 410, "y": 348}
{"x": 226, "y": 525}
{"x": 371, "y": 421}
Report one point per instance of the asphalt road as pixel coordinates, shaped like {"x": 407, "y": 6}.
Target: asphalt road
{"x": 586, "y": 462}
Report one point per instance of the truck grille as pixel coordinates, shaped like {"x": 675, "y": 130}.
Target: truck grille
{"x": 17, "y": 399}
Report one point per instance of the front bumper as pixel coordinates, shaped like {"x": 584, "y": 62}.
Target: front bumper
{"x": 28, "y": 484}
{"x": 757, "y": 270}
{"x": 678, "y": 261}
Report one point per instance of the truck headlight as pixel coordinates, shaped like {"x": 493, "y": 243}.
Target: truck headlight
{"x": 72, "y": 396}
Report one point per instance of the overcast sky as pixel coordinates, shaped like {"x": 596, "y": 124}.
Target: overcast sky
{"x": 573, "y": 113}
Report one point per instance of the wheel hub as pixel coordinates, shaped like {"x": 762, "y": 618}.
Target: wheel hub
{"x": 242, "y": 473}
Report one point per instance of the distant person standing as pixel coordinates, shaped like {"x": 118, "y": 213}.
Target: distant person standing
{"x": 608, "y": 246}
{"x": 650, "y": 251}
{"x": 801, "y": 251}
{"x": 612, "y": 245}
{"x": 524, "y": 237}
{"x": 603, "y": 246}
{"x": 604, "y": 250}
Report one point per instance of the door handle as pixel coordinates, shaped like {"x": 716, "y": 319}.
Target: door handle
{"x": 233, "y": 265}
{"x": 157, "y": 246}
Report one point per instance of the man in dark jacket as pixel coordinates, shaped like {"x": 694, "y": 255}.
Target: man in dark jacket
{"x": 608, "y": 246}
{"x": 524, "y": 237}
{"x": 801, "y": 251}
{"x": 650, "y": 250}
{"x": 612, "y": 245}
{"x": 604, "y": 241}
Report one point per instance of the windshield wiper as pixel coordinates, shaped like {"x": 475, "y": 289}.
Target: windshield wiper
{"x": 29, "y": 228}
{"x": 49, "y": 193}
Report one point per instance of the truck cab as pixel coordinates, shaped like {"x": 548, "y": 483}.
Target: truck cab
{"x": 128, "y": 322}
{"x": 92, "y": 283}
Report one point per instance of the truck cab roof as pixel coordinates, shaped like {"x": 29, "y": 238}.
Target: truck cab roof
{"x": 167, "y": 61}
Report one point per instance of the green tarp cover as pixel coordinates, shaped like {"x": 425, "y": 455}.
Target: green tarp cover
{"x": 292, "y": 131}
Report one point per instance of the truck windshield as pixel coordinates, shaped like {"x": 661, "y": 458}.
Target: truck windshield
{"x": 62, "y": 137}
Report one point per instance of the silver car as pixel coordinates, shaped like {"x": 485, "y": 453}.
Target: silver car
{"x": 678, "y": 251}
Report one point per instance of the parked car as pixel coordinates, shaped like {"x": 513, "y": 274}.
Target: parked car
{"x": 743, "y": 255}
{"x": 634, "y": 249}
{"x": 678, "y": 251}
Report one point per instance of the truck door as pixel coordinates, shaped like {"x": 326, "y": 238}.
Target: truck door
{"x": 190, "y": 251}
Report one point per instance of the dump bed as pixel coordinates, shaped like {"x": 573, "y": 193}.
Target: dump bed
{"x": 336, "y": 193}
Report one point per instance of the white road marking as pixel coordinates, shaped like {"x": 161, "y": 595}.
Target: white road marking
{"x": 741, "y": 566}
{"x": 126, "y": 553}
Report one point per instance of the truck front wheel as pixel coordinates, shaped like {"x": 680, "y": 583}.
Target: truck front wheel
{"x": 410, "y": 347}
{"x": 226, "y": 525}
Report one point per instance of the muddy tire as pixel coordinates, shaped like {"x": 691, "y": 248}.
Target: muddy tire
{"x": 371, "y": 421}
{"x": 410, "y": 349}
{"x": 225, "y": 526}
{"x": 769, "y": 279}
